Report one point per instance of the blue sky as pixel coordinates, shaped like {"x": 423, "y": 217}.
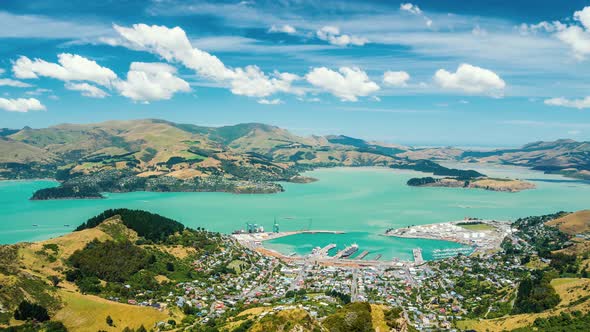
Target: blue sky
{"x": 437, "y": 72}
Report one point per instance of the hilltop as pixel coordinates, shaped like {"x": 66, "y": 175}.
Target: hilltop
{"x": 157, "y": 155}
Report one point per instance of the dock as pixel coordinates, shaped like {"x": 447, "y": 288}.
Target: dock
{"x": 346, "y": 252}
{"x": 418, "y": 256}
{"x": 324, "y": 251}
{"x": 362, "y": 254}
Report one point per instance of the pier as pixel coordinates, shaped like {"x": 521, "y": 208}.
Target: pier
{"x": 324, "y": 251}
{"x": 362, "y": 254}
{"x": 418, "y": 256}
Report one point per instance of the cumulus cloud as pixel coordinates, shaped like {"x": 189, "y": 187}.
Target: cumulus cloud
{"x": 151, "y": 81}
{"x": 576, "y": 35}
{"x": 288, "y": 29}
{"x": 396, "y": 78}
{"x": 332, "y": 35}
{"x": 347, "y": 83}
{"x": 145, "y": 81}
{"x": 572, "y": 103}
{"x": 270, "y": 101}
{"x": 87, "y": 90}
{"x": 471, "y": 79}
{"x": 13, "y": 83}
{"x": 71, "y": 67}
{"x": 21, "y": 105}
{"x": 173, "y": 45}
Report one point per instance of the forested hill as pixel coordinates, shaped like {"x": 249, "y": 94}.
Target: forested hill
{"x": 151, "y": 226}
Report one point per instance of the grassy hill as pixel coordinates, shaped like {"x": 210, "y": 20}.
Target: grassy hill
{"x": 27, "y": 272}
{"x": 112, "y": 273}
{"x": 574, "y": 297}
{"x": 157, "y": 155}
{"x": 573, "y": 223}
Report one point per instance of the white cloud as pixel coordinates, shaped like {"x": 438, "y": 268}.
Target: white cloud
{"x": 151, "y": 81}
{"x": 270, "y": 101}
{"x": 471, "y": 79}
{"x": 396, "y": 78}
{"x": 71, "y": 67}
{"x": 38, "y": 92}
{"x": 332, "y": 35}
{"x": 87, "y": 90}
{"x": 348, "y": 83}
{"x": 288, "y": 29}
{"x": 572, "y": 103}
{"x": 578, "y": 39}
{"x": 574, "y": 132}
{"x": 411, "y": 8}
{"x": 13, "y": 83}
{"x": 21, "y": 105}
{"x": 173, "y": 45}
{"x": 251, "y": 81}
{"x": 145, "y": 81}
{"x": 576, "y": 36}
{"x": 414, "y": 9}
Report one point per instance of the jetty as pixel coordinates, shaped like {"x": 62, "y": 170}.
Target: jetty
{"x": 324, "y": 251}
{"x": 362, "y": 254}
{"x": 378, "y": 257}
{"x": 418, "y": 256}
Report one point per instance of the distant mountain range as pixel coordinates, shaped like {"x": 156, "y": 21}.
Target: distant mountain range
{"x": 165, "y": 156}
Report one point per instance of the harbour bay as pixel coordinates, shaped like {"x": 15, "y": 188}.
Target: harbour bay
{"x": 363, "y": 202}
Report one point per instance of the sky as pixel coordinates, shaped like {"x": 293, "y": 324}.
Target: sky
{"x": 487, "y": 73}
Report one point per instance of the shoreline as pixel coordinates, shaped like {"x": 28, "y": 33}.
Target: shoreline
{"x": 481, "y": 235}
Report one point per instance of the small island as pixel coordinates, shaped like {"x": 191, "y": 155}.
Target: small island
{"x": 486, "y": 183}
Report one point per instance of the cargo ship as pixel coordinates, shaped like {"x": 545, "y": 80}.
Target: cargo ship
{"x": 349, "y": 251}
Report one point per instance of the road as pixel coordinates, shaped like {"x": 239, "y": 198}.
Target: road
{"x": 354, "y": 286}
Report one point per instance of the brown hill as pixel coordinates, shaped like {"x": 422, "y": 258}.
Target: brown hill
{"x": 573, "y": 223}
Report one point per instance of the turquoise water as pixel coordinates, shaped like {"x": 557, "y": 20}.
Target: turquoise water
{"x": 361, "y": 201}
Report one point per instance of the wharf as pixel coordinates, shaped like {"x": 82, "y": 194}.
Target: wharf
{"x": 362, "y": 255}
{"x": 418, "y": 256}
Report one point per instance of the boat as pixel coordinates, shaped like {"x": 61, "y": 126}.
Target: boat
{"x": 349, "y": 251}
{"x": 35, "y": 225}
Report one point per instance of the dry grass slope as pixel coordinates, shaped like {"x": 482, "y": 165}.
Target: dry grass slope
{"x": 569, "y": 289}
{"x": 573, "y": 223}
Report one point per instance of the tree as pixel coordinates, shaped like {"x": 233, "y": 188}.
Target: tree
{"x": 54, "y": 280}
{"x": 109, "y": 321}
{"x": 32, "y": 311}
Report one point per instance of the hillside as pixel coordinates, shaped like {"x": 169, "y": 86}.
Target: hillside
{"x": 131, "y": 269}
{"x": 573, "y": 223}
{"x": 567, "y": 157}
{"x": 157, "y": 155}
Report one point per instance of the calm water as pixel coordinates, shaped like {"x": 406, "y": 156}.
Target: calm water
{"x": 364, "y": 202}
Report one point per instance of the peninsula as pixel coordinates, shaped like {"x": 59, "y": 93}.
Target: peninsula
{"x": 493, "y": 184}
